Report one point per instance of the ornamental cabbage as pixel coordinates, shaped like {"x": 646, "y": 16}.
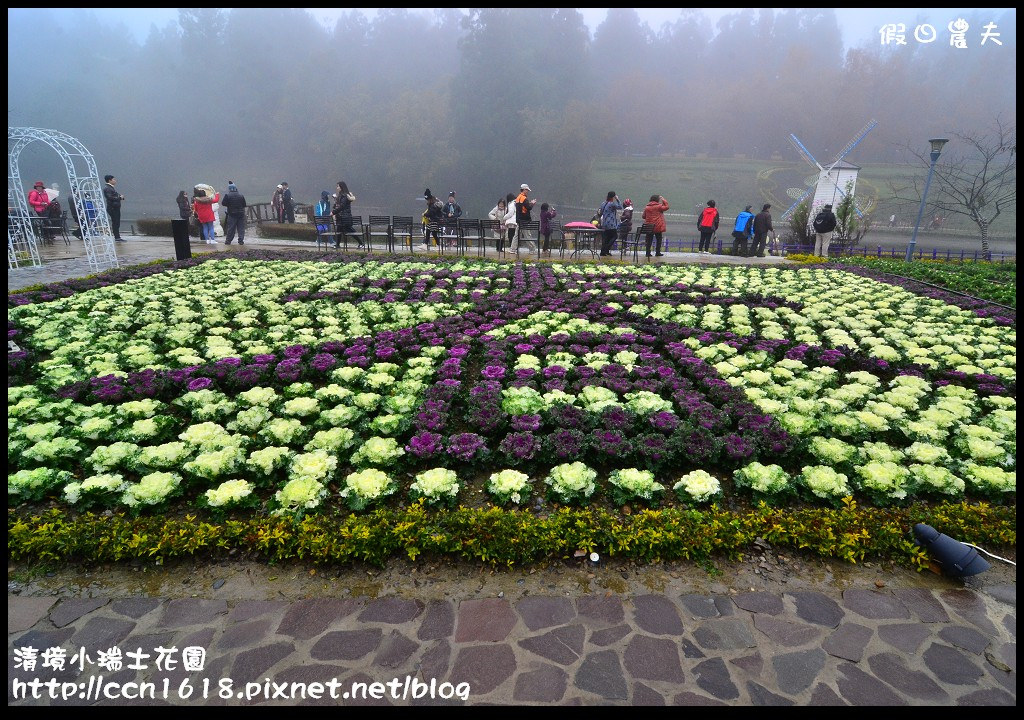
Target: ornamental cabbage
{"x": 366, "y": 487}
{"x": 230, "y": 492}
{"x": 630, "y": 483}
{"x": 824, "y": 482}
{"x": 509, "y": 486}
{"x": 571, "y": 482}
{"x": 436, "y": 486}
{"x": 697, "y": 486}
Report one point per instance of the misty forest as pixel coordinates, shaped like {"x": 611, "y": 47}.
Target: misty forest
{"x": 480, "y": 102}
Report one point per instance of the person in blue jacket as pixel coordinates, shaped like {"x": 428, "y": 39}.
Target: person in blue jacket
{"x": 742, "y": 232}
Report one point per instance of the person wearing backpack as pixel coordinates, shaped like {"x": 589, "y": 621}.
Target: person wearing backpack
{"x": 742, "y": 231}
{"x": 432, "y": 216}
{"x": 824, "y": 224}
{"x": 707, "y": 224}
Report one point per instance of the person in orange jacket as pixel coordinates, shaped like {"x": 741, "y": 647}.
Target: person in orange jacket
{"x": 654, "y": 214}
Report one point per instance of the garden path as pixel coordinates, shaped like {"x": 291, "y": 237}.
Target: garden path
{"x": 777, "y": 629}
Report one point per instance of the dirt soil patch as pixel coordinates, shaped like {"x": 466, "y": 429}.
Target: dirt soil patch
{"x": 427, "y": 579}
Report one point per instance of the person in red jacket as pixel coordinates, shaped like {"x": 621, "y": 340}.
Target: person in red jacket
{"x": 203, "y": 207}
{"x": 38, "y": 198}
{"x": 707, "y": 224}
{"x": 654, "y": 214}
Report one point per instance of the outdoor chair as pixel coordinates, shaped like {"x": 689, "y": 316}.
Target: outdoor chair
{"x": 378, "y": 227}
{"x": 54, "y": 226}
{"x": 449, "y": 236}
{"x": 634, "y": 241}
{"x": 325, "y": 232}
{"x": 530, "y": 233}
{"x": 402, "y": 231}
{"x": 434, "y": 232}
{"x": 497, "y": 234}
{"x": 357, "y": 232}
{"x": 471, "y": 231}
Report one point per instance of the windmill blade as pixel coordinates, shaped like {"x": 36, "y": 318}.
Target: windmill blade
{"x": 853, "y": 143}
{"x": 804, "y": 152}
{"x": 794, "y": 206}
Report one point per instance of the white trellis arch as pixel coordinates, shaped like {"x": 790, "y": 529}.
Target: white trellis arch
{"x": 86, "y": 194}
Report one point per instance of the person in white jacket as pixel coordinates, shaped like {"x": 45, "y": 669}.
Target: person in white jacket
{"x": 511, "y": 224}
{"x": 498, "y": 213}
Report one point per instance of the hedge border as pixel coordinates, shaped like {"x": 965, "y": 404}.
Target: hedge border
{"x": 509, "y": 537}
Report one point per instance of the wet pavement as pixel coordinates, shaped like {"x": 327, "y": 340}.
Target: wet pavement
{"x": 938, "y": 643}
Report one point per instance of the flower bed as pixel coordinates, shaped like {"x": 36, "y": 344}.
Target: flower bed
{"x": 237, "y": 388}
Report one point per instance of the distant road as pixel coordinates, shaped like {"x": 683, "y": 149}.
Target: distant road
{"x": 932, "y": 241}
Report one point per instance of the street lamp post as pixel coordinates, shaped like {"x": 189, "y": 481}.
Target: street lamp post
{"x": 937, "y": 144}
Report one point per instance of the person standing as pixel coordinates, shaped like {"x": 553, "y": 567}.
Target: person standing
{"x": 654, "y": 215}
{"x": 343, "y": 214}
{"x": 524, "y": 206}
{"x": 510, "y": 217}
{"x": 202, "y": 205}
{"x": 234, "y": 206}
{"x": 287, "y": 204}
{"x": 547, "y": 214}
{"x": 892, "y": 220}
{"x": 452, "y": 213}
{"x": 609, "y": 221}
{"x": 625, "y": 223}
{"x": 498, "y": 213}
{"x": 184, "y": 206}
{"x": 433, "y": 216}
{"x": 824, "y": 224}
{"x": 742, "y": 231}
{"x": 276, "y": 205}
{"x": 762, "y": 226}
{"x": 707, "y": 224}
{"x": 113, "y": 201}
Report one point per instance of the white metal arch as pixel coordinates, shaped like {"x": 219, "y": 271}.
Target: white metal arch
{"x": 86, "y": 194}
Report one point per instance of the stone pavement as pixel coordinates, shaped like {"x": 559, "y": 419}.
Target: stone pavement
{"x": 61, "y": 262}
{"x": 926, "y": 642}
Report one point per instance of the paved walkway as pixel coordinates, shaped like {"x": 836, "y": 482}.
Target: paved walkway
{"x": 861, "y": 646}
{"x": 61, "y": 262}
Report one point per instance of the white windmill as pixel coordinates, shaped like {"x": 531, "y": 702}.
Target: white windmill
{"x": 829, "y": 184}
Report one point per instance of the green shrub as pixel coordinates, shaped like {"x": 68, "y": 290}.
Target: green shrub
{"x": 287, "y": 231}
{"x": 509, "y": 537}
{"x": 161, "y": 227}
{"x": 154, "y": 226}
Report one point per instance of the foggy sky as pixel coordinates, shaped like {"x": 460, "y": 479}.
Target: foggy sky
{"x": 398, "y": 102}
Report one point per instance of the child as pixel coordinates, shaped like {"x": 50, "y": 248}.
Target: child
{"x": 547, "y": 214}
